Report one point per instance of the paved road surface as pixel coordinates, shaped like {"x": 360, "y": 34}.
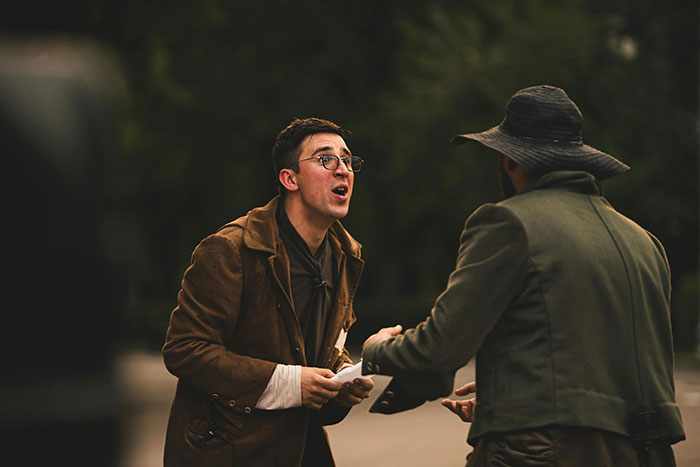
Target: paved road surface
{"x": 426, "y": 436}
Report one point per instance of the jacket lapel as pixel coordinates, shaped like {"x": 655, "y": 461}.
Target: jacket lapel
{"x": 349, "y": 269}
{"x": 262, "y": 234}
{"x": 278, "y": 268}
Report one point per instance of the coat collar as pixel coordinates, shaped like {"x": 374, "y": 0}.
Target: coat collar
{"x": 570, "y": 180}
{"x": 262, "y": 233}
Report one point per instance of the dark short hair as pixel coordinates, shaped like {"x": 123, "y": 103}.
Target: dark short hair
{"x": 286, "y": 149}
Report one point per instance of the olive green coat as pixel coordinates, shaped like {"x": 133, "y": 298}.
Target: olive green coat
{"x": 564, "y": 302}
{"x": 234, "y": 322}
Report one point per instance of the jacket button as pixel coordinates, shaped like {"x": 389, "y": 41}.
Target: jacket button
{"x": 370, "y": 367}
{"x": 385, "y": 403}
{"x": 215, "y": 396}
{"x": 231, "y": 403}
{"x": 389, "y": 394}
{"x": 376, "y": 368}
{"x": 247, "y": 410}
{"x": 279, "y": 306}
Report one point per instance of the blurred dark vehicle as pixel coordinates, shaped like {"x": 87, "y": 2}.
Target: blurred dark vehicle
{"x": 58, "y": 403}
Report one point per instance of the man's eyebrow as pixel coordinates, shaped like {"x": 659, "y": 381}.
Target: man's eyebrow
{"x": 328, "y": 148}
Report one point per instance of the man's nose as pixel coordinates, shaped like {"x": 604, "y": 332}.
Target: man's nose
{"x": 342, "y": 169}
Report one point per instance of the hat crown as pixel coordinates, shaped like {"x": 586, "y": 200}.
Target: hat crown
{"x": 544, "y": 113}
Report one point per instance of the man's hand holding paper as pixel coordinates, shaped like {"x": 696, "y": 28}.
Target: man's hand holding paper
{"x": 356, "y": 387}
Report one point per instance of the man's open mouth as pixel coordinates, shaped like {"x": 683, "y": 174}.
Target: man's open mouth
{"x": 340, "y": 191}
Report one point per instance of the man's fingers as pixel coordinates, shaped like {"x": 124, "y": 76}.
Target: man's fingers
{"x": 329, "y": 385}
{"x": 325, "y": 388}
{"x": 326, "y": 394}
{"x": 454, "y": 408}
{"x": 356, "y": 391}
{"x": 466, "y": 411}
{"x": 360, "y": 387}
{"x": 316, "y": 386}
{"x": 318, "y": 389}
{"x": 463, "y": 409}
{"x": 469, "y": 388}
{"x": 383, "y": 334}
{"x": 347, "y": 399}
{"x": 471, "y": 406}
{"x": 448, "y": 403}
{"x": 319, "y": 397}
{"x": 322, "y": 379}
{"x": 325, "y": 372}
{"x": 452, "y": 405}
{"x": 365, "y": 383}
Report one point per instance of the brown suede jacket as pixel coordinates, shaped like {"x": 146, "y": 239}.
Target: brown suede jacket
{"x": 234, "y": 322}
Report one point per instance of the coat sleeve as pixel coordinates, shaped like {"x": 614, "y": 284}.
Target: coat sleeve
{"x": 207, "y": 312}
{"x": 490, "y": 271}
{"x": 664, "y": 268}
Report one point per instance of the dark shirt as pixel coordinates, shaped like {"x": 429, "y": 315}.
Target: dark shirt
{"x": 312, "y": 283}
{"x": 313, "y": 293}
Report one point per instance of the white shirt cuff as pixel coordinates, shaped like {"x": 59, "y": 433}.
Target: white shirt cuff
{"x": 283, "y": 391}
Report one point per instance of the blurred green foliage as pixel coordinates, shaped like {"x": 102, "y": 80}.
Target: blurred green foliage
{"x": 210, "y": 83}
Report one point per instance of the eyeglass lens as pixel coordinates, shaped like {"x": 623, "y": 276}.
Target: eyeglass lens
{"x": 331, "y": 161}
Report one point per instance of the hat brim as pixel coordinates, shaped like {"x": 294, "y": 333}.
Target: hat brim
{"x": 539, "y": 156}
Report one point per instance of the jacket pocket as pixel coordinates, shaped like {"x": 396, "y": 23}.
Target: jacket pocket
{"x": 207, "y": 444}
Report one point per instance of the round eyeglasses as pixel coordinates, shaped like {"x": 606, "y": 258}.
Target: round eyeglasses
{"x": 331, "y": 161}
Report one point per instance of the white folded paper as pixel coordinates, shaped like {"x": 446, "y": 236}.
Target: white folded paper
{"x": 350, "y": 373}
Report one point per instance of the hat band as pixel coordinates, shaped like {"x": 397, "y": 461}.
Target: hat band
{"x": 575, "y": 142}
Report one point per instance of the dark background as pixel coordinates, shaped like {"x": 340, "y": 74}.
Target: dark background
{"x": 198, "y": 90}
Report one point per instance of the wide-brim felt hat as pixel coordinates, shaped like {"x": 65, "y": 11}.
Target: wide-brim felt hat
{"x": 541, "y": 131}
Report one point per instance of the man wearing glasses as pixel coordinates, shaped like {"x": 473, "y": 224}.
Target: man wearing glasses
{"x": 262, "y": 316}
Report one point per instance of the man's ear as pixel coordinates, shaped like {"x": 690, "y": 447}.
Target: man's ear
{"x": 288, "y": 179}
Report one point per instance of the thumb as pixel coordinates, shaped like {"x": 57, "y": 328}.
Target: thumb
{"x": 396, "y": 330}
{"x": 469, "y": 388}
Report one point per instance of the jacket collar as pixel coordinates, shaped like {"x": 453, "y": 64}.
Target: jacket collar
{"x": 569, "y": 180}
{"x": 262, "y": 233}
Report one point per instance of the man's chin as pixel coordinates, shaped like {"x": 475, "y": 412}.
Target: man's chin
{"x": 340, "y": 213}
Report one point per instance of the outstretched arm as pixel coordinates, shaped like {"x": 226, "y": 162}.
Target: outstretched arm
{"x": 490, "y": 270}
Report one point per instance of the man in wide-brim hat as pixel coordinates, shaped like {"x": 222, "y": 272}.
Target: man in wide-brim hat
{"x": 542, "y": 133}
{"x": 564, "y": 302}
